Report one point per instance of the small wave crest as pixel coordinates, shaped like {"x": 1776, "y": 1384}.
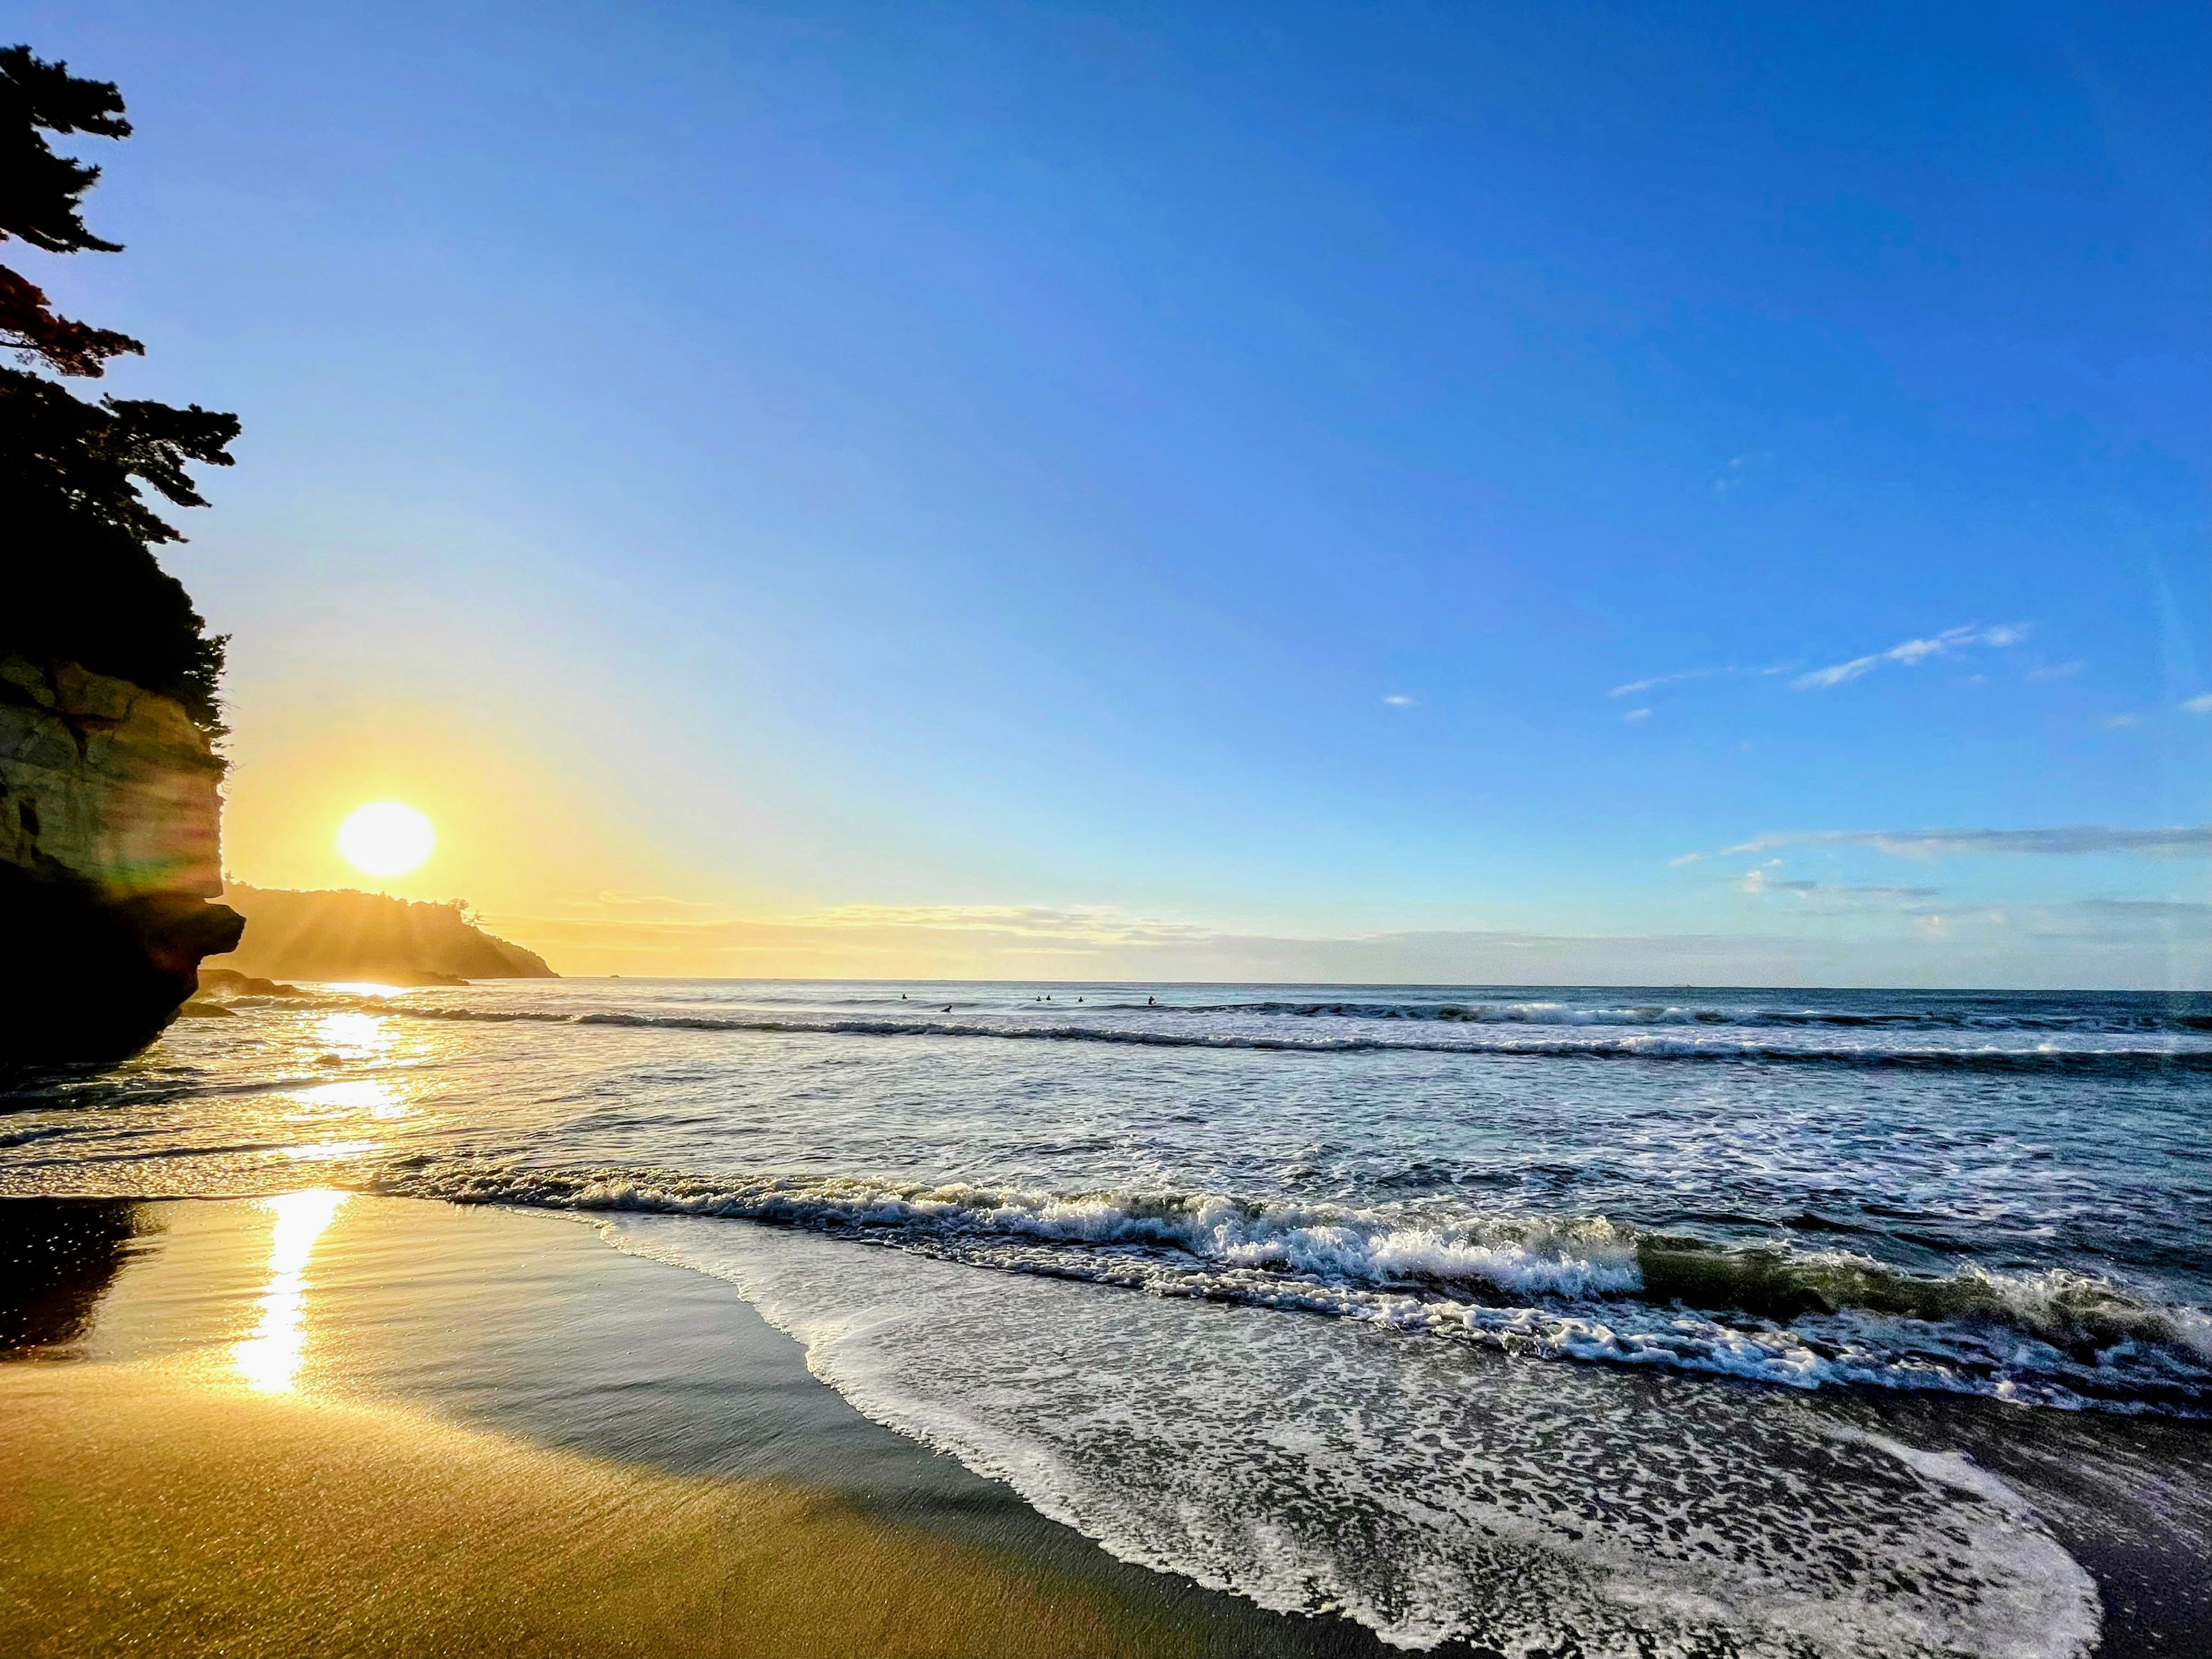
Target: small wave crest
{"x": 1584, "y": 1289}
{"x": 1653, "y": 1045}
{"x": 1668, "y": 1014}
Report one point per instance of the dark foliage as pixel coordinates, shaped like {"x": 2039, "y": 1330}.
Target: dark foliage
{"x": 29, "y": 326}
{"x": 88, "y": 588}
{"x": 41, "y": 197}
{"x": 41, "y": 191}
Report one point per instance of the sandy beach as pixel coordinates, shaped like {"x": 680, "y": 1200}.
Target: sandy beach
{"x": 332, "y": 1424}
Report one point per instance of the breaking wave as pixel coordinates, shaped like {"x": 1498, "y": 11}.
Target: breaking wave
{"x": 1574, "y": 1289}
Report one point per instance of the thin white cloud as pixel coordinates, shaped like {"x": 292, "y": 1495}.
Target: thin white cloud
{"x": 1637, "y": 688}
{"x": 1685, "y": 861}
{"x": 1398, "y": 700}
{"x": 2056, "y": 671}
{"x": 613, "y": 901}
{"x": 1910, "y": 653}
{"x": 2100, "y": 943}
{"x": 1095, "y": 924}
{"x": 2121, "y": 722}
{"x": 1756, "y": 882}
{"x": 2187, "y": 912}
{"x": 1828, "y": 899}
{"x": 1731, "y": 477}
{"x": 1635, "y": 714}
{"x": 2198, "y": 705}
{"x": 1939, "y": 925}
{"x": 2068, "y": 840}
{"x": 652, "y": 922}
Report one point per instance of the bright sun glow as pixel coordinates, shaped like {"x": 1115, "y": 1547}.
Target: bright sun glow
{"x": 385, "y": 838}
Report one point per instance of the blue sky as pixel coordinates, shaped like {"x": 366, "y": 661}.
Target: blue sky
{"x": 1033, "y": 488}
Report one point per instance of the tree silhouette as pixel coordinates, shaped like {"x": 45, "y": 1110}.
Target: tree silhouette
{"x": 88, "y": 590}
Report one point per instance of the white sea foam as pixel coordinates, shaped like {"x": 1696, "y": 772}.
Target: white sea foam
{"x": 1429, "y": 1492}
{"x": 1543, "y": 1287}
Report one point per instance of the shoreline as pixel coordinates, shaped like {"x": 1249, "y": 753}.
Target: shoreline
{"x": 333, "y": 1423}
{"x": 178, "y": 1371}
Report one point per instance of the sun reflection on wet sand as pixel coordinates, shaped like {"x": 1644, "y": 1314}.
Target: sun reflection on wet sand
{"x": 270, "y": 1359}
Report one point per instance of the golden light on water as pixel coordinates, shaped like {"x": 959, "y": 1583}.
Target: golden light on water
{"x": 355, "y": 1036}
{"x": 366, "y": 1097}
{"x": 270, "y": 1358}
{"x": 386, "y": 838}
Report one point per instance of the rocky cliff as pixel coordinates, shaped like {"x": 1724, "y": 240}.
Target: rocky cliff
{"x": 110, "y": 851}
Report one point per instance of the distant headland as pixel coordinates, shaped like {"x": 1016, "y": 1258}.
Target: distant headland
{"x": 349, "y": 935}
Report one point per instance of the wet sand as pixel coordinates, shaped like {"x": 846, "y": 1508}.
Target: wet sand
{"x": 323, "y": 1424}
{"x": 318, "y": 1425}
{"x": 146, "y": 1512}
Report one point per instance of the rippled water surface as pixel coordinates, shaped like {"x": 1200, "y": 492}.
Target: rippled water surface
{"x": 1855, "y": 1195}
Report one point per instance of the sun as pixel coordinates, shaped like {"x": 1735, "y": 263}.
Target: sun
{"x": 385, "y": 838}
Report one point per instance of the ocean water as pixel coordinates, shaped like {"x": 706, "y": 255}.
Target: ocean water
{"x": 1542, "y": 1318}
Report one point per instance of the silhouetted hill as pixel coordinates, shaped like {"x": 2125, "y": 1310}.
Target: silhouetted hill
{"x": 344, "y": 934}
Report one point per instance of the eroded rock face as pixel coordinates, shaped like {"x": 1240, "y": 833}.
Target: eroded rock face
{"x": 110, "y": 849}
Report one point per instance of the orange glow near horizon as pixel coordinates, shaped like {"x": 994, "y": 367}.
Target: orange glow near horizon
{"x": 517, "y": 828}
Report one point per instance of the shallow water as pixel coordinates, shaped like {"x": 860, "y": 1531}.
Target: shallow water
{"x": 1428, "y": 1269}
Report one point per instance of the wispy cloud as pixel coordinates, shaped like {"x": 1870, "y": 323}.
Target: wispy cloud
{"x": 2184, "y": 912}
{"x": 2118, "y": 941}
{"x": 1637, "y": 688}
{"x": 650, "y": 926}
{"x": 1941, "y": 924}
{"x": 1636, "y": 715}
{"x": 637, "y": 903}
{"x": 1831, "y": 898}
{"x": 1762, "y": 880}
{"x": 1398, "y": 700}
{"x": 2079, "y": 838}
{"x": 2121, "y": 722}
{"x": 1908, "y": 652}
{"x": 1732, "y": 476}
{"x": 2056, "y": 671}
{"x": 1087, "y": 924}
{"x": 2198, "y": 705}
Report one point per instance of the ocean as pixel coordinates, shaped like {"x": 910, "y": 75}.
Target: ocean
{"x": 1537, "y": 1318}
